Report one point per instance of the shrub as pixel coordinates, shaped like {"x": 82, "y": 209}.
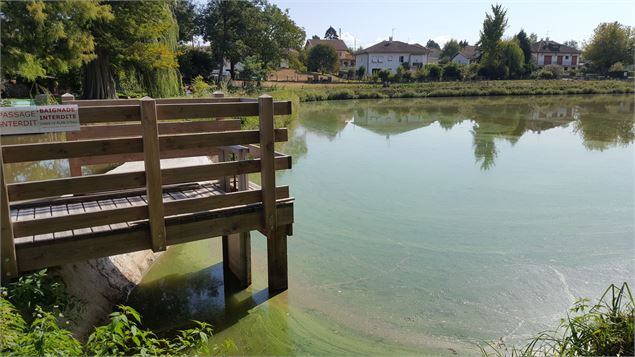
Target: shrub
{"x": 361, "y": 72}
{"x": 452, "y": 71}
{"x": 556, "y": 70}
{"x": 603, "y": 329}
{"x": 384, "y": 75}
{"x": 434, "y": 72}
{"x": 199, "y": 87}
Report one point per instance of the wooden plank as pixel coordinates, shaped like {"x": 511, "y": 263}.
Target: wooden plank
{"x": 215, "y": 110}
{"x": 42, "y": 212}
{"x": 132, "y": 130}
{"x": 57, "y": 252}
{"x": 100, "y": 147}
{"x": 7, "y": 245}
{"x": 267, "y": 168}
{"x": 154, "y": 184}
{"x": 107, "y": 114}
{"x": 112, "y": 102}
{"x": 64, "y": 150}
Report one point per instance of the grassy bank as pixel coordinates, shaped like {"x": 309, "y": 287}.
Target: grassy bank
{"x": 321, "y": 92}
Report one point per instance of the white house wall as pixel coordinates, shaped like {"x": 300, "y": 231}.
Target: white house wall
{"x": 387, "y": 61}
{"x": 567, "y": 58}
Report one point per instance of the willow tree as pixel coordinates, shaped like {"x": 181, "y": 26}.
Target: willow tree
{"x": 42, "y": 39}
{"x": 140, "y": 44}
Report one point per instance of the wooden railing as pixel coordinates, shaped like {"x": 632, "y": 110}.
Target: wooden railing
{"x": 149, "y": 130}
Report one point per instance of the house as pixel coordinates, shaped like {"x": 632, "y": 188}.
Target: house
{"x": 346, "y": 58}
{"x": 390, "y": 55}
{"x": 545, "y": 52}
{"x": 469, "y": 54}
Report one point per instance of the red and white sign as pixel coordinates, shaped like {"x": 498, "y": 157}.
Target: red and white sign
{"x": 40, "y": 119}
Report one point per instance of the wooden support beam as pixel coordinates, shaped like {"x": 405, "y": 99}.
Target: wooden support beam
{"x": 9, "y": 264}
{"x": 152, "y": 163}
{"x": 267, "y": 166}
{"x": 237, "y": 246}
{"x": 277, "y": 272}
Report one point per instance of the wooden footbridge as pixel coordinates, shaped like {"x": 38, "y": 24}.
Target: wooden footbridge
{"x": 63, "y": 220}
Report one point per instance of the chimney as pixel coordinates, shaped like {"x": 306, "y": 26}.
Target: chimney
{"x": 390, "y": 39}
{"x": 340, "y": 33}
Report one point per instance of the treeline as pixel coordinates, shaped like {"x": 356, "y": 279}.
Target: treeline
{"x": 101, "y": 48}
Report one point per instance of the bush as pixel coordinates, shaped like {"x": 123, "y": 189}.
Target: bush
{"x": 199, "y": 87}
{"x": 434, "y": 72}
{"x": 384, "y": 75}
{"x": 556, "y": 70}
{"x": 617, "y": 70}
{"x": 604, "y": 329}
{"x": 452, "y": 71}
{"x": 361, "y": 72}
{"x": 123, "y": 336}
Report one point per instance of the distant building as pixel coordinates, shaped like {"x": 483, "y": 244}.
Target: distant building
{"x": 545, "y": 52}
{"x": 469, "y": 54}
{"x": 390, "y": 55}
{"x": 347, "y": 60}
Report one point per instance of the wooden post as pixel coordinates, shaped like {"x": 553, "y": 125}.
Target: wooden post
{"x": 9, "y": 263}
{"x": 276, "y": 236}
{"x": 237, "y": 246}
{"x": 67, "y": 97}
{"x": 154, "y": 184}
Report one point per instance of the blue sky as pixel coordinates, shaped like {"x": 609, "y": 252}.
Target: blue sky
{"x": 367, "y": 22}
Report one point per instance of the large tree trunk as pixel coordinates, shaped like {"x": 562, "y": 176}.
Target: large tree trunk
{"x": 221, "y": 68}
{"x": 232, "y": 69}
{"x": 99, "y": 82}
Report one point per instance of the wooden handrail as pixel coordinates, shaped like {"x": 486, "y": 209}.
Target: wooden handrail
{"x": 129, "y": 180}
{"x": 100, "y": 147}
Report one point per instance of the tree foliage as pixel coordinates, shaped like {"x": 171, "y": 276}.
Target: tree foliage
{"x": 195, "y": 61}
{"x": 187, "y": 19}
{"x": 524, "y": 44}
{"x": 450, "y": 49}
{"x": 331, "y": 34}
{"x": 432, "y": 44}
{"x": 611, "y": 42}
{"x": 322, "y": 58}
{"x": 42, "y": 38}
{"x": 494, "y": 26}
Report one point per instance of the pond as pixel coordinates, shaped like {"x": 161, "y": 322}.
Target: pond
{"x": 423, "y": 226}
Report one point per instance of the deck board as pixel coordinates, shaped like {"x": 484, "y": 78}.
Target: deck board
{"x": 75, "y": 205}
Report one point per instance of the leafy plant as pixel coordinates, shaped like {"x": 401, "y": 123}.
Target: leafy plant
{"x": 603, "y": 329}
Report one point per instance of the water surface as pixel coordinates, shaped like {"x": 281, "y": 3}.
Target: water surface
{"x": 423, "y": 226}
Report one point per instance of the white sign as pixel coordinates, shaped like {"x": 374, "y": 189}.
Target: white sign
{"x": 40, "y": 119}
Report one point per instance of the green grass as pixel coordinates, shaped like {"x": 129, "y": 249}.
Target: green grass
{"x": 312, "y": 93}
{"x": 603, "y": 329}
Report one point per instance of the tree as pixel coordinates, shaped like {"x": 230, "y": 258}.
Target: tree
{"x": 139, "y": 43}
{"x": 361, "y": 72}
{"x": 450, "y": 49}
{"x": 322, "y": 58}
{"x": 572, "y": 43}
{"x": 490, "y": 37}
{"x": 331, "y": 34}
{"x": 315, "y": 37}
{"x": 611, "y": 42}
{"x": 432, "y": 44}
{"x": 226, "y": 25}
{"x": 41, "y": 39}
{"x": 433, "y": 72}
{"x": 512, "y": 59}
{"x": 524, "y": 44}
{"x": 186, "y": 18}
{"x": 195, "y": 61}
{"x": 273, "y": 35}
{"x": 533, "y": 38}
{"x": 452, "y": 71}
{"x": 464, "y": 44}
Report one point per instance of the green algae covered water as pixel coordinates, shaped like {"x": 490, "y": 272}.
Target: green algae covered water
{"x": 425, "y": 227}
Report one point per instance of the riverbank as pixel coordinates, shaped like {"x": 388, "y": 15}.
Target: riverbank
{"x": 321, "y": 92}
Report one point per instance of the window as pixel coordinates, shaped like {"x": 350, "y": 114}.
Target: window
{"x": 400, "y": 59}
{"x": 374, "y": 60}
{"x": 566, "y": 57}
{"x": 547, "y": 60}
{"x": 380, "y": 59}
{"x": 389, "y": 58}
